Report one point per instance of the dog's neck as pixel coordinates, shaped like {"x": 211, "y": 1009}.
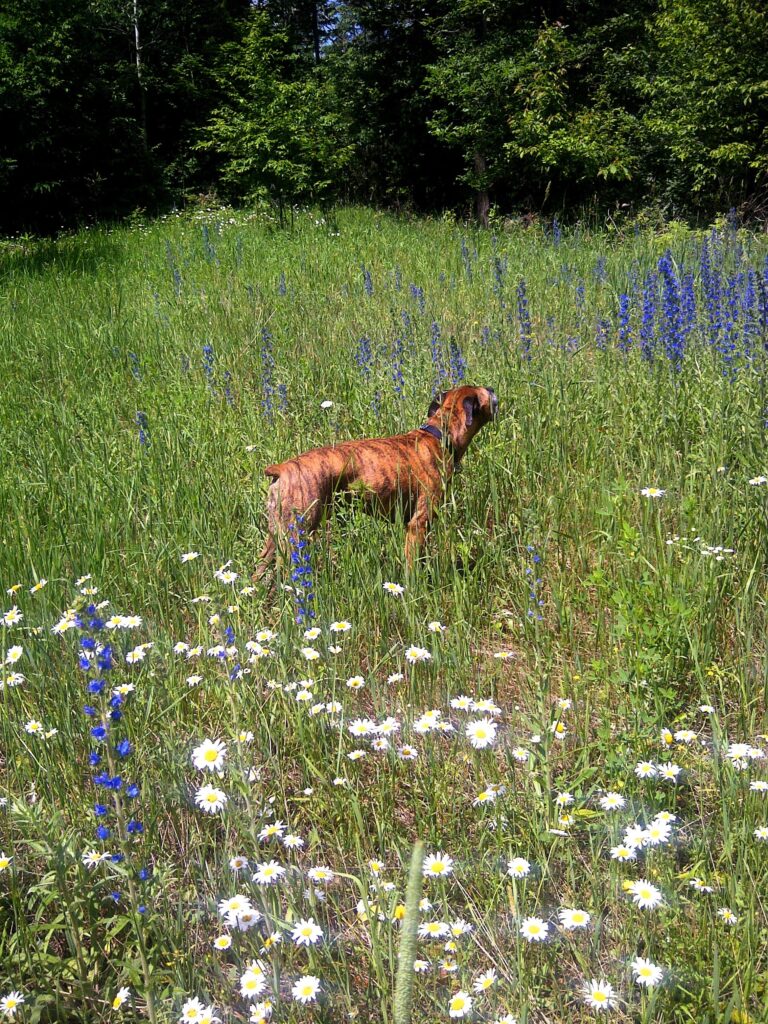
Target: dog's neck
{"x": 430, "y": 428}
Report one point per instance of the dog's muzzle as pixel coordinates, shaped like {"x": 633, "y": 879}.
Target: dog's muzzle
{"x": 494, "y": 403}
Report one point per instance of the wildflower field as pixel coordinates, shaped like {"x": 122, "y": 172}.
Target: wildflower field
{"x": 211, "y": 794}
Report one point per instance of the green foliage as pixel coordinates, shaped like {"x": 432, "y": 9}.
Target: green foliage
{"x": 707, "y": 108}
{"x": 277, "y": 132}
{"x": 107, "y": 106}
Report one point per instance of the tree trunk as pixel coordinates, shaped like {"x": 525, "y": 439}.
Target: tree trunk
{"x": 316, "y": 32}
{"x": 140, "y": 78}
{"x": 482, "y": 198}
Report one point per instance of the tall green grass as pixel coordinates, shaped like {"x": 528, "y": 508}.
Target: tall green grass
{"x": 544, "y": 547}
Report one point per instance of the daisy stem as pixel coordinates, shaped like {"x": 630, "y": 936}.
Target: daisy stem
{"x": 403, "y": 998}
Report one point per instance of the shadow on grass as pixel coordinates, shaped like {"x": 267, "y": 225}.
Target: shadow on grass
{"x": 85, "y": 253}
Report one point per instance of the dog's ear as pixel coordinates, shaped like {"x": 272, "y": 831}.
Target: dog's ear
{"x": 436, "y": 403}
{"x": 471, "y": 409}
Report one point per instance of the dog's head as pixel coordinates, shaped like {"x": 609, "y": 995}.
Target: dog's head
{"x": 461, "y": 412}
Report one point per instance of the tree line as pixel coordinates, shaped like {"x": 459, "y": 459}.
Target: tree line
{"x": 108, "y": 106}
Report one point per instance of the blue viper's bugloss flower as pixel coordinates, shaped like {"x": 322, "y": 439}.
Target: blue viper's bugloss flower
{"x": 728, "y": 344}
{"x": 228, "y": 388}
{"x": 672, "y": 324}
{"x": 94, "y": 760}
{"x": 132, "y": 790}
{"x": 762, "y": 300}
{"x": 100, "y": 810}
{"x": 88, "y": 643}
{"x": 581, "y": 298}
{"x": 134, "y": 827}
{"x": 466, "y": 259}
{"x": 418, "y": 294}
{"x": 102, "y": 832}
{"x": 208, "y": 248}
{"x": 96, "y": 686}
{"x": 123, "y": 748}
{"x": 364, "y": 357}
{"x": 524, "y": 320}
{"x": 98, "y": 732}
{"x": 625, "y": 330}
{"x": 89, "y": 710}
{"x": 749, "y": 330}
{"x": 367, "y": 280}
{"x": 535, "y": 601}
{"x": 499, "y": 269}
{"x": 301, "y": 570}
{"x": 376, "y": 403}
{"x": 267, "y": 374}
{"x": 711, "y": 271}
{"x": 457, "y": 363}
{"x": 208, "y": 361}
{"x": 405, "y": 316}
{"x": 602, "y": 330}
{"x": 398, "y": 361}
{"x": 142, "y": 423}
{"x": 104, "y": 660}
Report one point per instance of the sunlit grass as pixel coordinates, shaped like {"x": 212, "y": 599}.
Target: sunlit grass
{"x": 623, "y": 618}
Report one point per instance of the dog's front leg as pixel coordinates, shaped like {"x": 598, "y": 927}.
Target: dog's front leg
{"x": 416, "y": 531}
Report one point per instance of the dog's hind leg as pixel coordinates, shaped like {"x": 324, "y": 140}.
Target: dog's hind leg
{"x": 416, "y": 531}
{"x": 274, "y": 528}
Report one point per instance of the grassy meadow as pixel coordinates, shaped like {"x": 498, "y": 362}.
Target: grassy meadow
{"x": 208, "y": 807}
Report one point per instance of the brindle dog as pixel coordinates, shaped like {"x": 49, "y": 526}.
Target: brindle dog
{"x": 408, "y": 471}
